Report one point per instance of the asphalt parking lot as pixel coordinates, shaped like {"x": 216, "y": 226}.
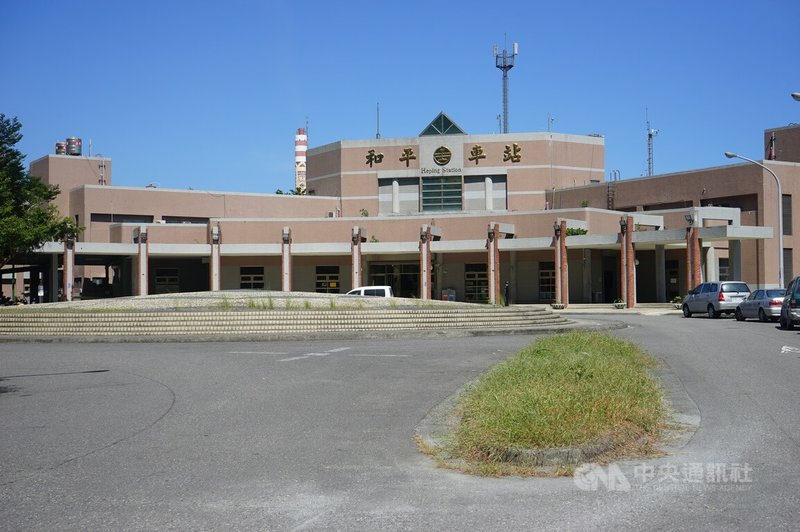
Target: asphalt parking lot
{"x": 320, "y": 435}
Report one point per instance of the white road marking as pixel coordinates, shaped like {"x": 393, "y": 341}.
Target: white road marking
{"x": 366, "y": 355}
{"x": 789, "y": 349}
{"x": 309, "y": 355}
{"x": 256, "y": 353}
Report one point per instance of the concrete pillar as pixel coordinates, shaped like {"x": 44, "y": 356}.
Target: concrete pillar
{"x": 696, "y": 268}
{"x": 630, "y": 265}
{"x": 286, "y": 259}
{"x": 214, "y": 260}
{"x": 493, "y": 270}
{"x": 395, "y": 197}
{"x": 564, "y": 265}
{"x": 690, "y": 284}
{"x": 357, "y": 238}
{"x": 712, "y": 268}
{"x": 425, "y": 262}
{"x": 140, "y": 238}
{"x": 488, "y": 192}
{"x": 661, "y": 275}
{"x": 557, "y": 257}
{"x": 735, "y": 259}
{"x": 69, "y": 269}
{"x": 623, "y": 259}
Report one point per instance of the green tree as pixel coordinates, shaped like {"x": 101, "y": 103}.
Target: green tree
{"x": 297, "y": 191}
{"x": 28, "y": 219}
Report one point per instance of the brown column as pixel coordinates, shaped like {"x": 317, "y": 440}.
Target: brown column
{"x": 623, "y": 252}
{"x": 425, "y": 262}
{"x": 493, "y": 267}
{"x": 355, "y": 249}
{"x": 69, "y": 269}
{"x": 286, "y": 260}
{"x": 689, "y": 272}
{"x": 214, "y": 261}
{"x": 630, "y": 259}
{"x": 557, "y": 259}
{"x": 564, "y": 270}
{"x": 696, "y": 270}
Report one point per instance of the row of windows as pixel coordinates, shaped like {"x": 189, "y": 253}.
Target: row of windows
{"x": 144, "y": 218}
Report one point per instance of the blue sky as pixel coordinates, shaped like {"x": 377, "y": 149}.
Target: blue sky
{"x": 208, "y": 95}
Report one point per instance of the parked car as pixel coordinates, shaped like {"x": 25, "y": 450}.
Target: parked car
{"x": 715, "y": 298}
{"x": 790, "y": 308}
{"x": 764, "y": 304}
{"x": 379, "y": 291}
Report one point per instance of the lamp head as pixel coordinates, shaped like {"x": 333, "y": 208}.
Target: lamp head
{"x": 730, "y": 155}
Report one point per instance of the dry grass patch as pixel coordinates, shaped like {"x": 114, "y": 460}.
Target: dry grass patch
{"x": 573, "y": 390}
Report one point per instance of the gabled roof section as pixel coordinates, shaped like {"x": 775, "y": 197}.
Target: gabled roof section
{"x": 442, "y": 125}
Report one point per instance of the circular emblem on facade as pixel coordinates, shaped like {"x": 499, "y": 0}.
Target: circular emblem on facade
{"x": 442, "y": 155}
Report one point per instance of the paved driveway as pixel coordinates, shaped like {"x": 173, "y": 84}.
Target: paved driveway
{"x": 317, "y": 435}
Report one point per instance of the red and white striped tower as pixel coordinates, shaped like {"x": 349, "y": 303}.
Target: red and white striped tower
{"x": 300, "y": 148}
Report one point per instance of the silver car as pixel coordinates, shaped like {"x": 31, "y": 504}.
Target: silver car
{"x": 715, "y": 298}
{"x": 763, "y": 304}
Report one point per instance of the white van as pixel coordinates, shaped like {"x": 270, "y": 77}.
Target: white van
{"x": 378, "y": 291}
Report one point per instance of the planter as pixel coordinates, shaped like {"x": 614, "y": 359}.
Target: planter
{"x": 677, "y": 306}
{"x": 619, "y": 305}
{"x": 557, "y": 306}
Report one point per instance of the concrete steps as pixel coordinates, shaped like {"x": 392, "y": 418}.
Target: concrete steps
{"x": 266, "y": 322}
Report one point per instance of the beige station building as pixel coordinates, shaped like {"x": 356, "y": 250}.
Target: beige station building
{"x": 441, "y": 215}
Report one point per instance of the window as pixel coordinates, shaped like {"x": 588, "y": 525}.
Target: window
{"x": 327, "y": 280}
{"x": 547, "y": 281}
{"x": 476, "y": 283}
{"x": 788, "y": 268}
{"x": 787, "y": 214}
{"x": 251, "y": 277}
{"x": 121, "y": 218}
{"x": 184, "y": 220}
{"x": 441, "y": 193}
{"x": 724, "y": 270}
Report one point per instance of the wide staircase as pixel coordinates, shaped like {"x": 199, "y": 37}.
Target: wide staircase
{"x": 279, "y": 323}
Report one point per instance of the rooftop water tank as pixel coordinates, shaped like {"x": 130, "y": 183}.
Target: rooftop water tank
{"x": 61, "y": 148}
{"x": 73, "y": 146}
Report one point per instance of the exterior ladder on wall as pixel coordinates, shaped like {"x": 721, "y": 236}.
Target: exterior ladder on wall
{"x": 610, "y": 195}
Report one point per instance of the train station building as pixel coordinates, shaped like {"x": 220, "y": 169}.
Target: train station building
{"x": 441, "y": 215}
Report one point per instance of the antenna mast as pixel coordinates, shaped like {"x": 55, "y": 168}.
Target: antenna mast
{"x": 651, "y": 133}
{"x": 378, "y": 116}
{"x": 505, "y": 62}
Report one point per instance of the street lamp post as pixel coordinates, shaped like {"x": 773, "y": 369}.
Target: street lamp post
{"x": 730, "y": 155}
